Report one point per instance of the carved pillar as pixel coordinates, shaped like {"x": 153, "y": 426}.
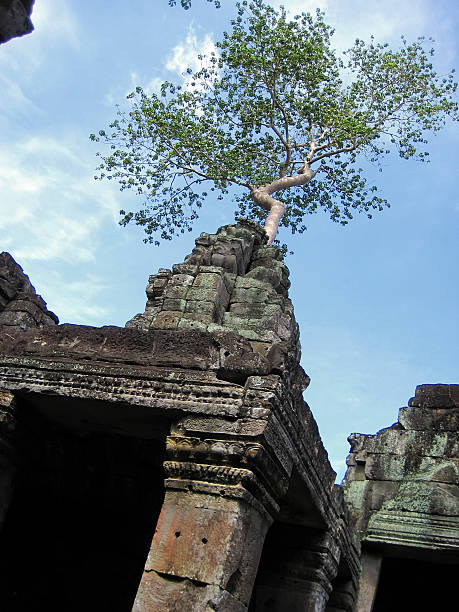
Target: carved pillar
{"x": 342, "y": 598}
{"x": 210, "y": 533}
{"x": 7, "y": 451}
{"x": 297, "y": 570}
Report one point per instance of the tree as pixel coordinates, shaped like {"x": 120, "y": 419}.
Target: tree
{"x": 274, "y": 111}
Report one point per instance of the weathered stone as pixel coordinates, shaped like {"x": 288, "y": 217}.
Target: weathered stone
{"x": 185, "y": 268}
{"x": 369, "y": 578}
{"x": 379, "y": 491}
{"x": 229, "y": 300}
{"x": 21, "y": 320}
{"x": 428, "y": 497}
{"x": 20, "y": 307}
{"x": 436, "y": 396}
{"x": 201, "y": 317}
{"x": 437, "y": 419}
{"x": 402, "y": 485}
{"x": 206, "y": 240}
{"x": 251, "y": 294}
{"x": 15, "y": 18}
{"x": 254, "y": 311}
{"x": 178, "y": 286}
{"x": 157, "y": 284}
{"x": 174, "y": 304}
{"x": 219, "y": 295}
{"x": 7, "y": 290}
{"x": 167, "y": 319}
{"x": 343, "y": 596}
{"x": 405, "y": 442}
{"x": 267, "y": 252}
{"x": 165, "y": 594}
{"x": 265, "y": 275}
{"x": 296, "y": 570}
{"x": 209, "y": 539}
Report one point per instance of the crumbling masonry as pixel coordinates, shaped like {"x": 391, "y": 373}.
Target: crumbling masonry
{"x": 173, "y": 465}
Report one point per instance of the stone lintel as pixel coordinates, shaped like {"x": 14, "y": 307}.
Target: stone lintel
{"x": 414, "y": 531}
{"x": 223, "y": 352}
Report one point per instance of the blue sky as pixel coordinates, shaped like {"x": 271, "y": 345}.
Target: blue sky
{"x": 376, "y": 301}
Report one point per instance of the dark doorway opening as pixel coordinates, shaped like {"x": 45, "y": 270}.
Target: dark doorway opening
{"x": 81, "y": 520}
{"x": 419, "y": 586}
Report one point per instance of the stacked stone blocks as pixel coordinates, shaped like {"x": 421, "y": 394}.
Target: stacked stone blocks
{"x": 231, "y": 281}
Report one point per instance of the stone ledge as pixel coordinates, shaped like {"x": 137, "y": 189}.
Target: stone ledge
{"x": 436, "y": 396}
{"x": 223, "y": 352}
{"x": 414, "y": 530}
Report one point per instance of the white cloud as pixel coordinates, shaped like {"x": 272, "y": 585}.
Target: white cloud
{"x": 48, "y": 148}
{"x": 363, "y": 18}
{"x": 50, "y": 207}
{"x": 80, "y": 302}
{"x": 153, "y": 86}
{"x": 13, "y": 99}
{"x": 56, "y": 21}
{"x": 136, "y": 80}
{"x": 186, "y": 54}
{"x": 183, "y": 56}
{"x": 295, "y": 7}
{"x": 11, "y": 178}
{"x": 73, "y": 301}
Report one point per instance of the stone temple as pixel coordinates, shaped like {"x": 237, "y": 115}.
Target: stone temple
{"x": 173, "y": 465}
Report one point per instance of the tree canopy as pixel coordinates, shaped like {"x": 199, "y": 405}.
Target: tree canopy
{"x": 274, "y": 110}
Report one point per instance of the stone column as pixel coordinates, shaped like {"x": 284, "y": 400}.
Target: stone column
{"x": 297, "y": 570}
{"x": 369, "y": 578}
{"x": 7, "y": 451}
{"x": 342, "y": 598}
{"x": 208, "y": 539}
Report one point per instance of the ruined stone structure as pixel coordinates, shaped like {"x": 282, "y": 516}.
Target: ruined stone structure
{"x": 402, "y": 492}
{"x": 15, "y": 18}
{"x": 174, "y": 465}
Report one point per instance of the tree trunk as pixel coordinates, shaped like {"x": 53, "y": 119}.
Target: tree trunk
{"x": 263, "y": 197}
